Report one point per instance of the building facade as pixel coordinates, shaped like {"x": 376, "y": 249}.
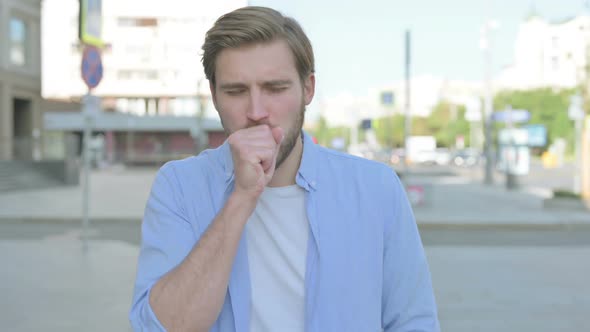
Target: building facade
{"x": 549, "y": 54}
{"x": 151, "y": 57}
{"x": 20, "y": 80}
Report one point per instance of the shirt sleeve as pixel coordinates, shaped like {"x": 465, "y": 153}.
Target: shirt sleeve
{"x": 167, "y": 238}
{"x": 408, "y": 297}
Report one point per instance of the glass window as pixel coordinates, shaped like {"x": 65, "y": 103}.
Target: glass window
{"x": 18, "y": 41}
{"x": 555, "y": 63}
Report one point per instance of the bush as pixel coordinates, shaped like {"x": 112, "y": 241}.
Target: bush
{"x": 562, "y": 193}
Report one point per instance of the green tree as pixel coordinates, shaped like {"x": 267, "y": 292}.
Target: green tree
{"x": 446, "y": 122}
{"x": 321, "y": 131}
{"x": 390, "y": 130}
{"x": 325, "y": 134}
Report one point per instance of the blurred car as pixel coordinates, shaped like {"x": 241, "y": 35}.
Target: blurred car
{"x": 466, "y": 157}
{"x": 442, "y": 156}
{"x": 397, "y": 156}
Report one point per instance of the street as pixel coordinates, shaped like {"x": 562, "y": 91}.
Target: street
{"x": 485, "y": 280}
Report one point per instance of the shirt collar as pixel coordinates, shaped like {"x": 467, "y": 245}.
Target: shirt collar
{"x": 306, "y": 175}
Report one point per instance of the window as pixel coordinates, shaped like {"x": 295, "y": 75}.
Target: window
{"x": 555, "y": 42}
{"x": 127, "y": 74}
{"x": 137, "y": 22}
{"x": 18, "y": 41}
{"x": 555, "y": 63}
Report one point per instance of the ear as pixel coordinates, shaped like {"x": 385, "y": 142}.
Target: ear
{"x": 309, "y": 88}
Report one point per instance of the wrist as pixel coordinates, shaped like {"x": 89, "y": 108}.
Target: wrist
{"x": 243, "y": 200}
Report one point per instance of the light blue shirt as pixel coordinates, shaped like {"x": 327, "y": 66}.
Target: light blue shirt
{"x": 365, "y": 270}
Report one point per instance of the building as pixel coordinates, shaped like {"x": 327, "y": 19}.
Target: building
{"x": 426, "y": 92}
{"x": 152, "y": 69}
{"x": 20, "y": 80}
{"x": 151, "y": 57}
{"x": 548, "y": 54}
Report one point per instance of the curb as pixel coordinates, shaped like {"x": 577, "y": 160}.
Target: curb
{"x": 495, "y": 226}
{"x": 428, "y": 225}
{"x": 67, "y": 220}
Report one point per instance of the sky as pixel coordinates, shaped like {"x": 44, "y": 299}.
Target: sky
{"x": 359, "y": 45}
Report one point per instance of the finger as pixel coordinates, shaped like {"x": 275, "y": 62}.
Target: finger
{"x": 266, "y": 158}
{"x": 278, "y": 134}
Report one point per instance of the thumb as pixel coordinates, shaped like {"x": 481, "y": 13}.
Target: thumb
{"x": 278, "y": 134}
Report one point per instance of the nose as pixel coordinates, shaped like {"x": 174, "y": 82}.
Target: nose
{"x": 256, "y": 109}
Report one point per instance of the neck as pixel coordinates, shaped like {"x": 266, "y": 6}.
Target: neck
{"x": 285, "y": 174}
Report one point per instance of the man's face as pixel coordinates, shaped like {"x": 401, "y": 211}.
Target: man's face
{"x": 259, "y": 84}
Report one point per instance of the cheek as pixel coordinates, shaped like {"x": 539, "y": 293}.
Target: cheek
{"x": 231, "y": 118}
{"x": 288, "y": 107}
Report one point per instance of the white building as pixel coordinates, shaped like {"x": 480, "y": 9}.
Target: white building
{"x": 548, "y": 54}
{"x": 151, "y": 59}
{"x": 425, "y": 92}
{"x": 20, "y": 77}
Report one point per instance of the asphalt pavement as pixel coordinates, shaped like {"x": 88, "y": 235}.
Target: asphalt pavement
{"x": 484, "y": 280}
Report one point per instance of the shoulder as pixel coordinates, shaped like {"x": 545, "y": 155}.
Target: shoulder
{"x": 194, "y": 170}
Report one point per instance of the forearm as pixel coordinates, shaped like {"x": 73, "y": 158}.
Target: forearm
{"x": 190, "y": 296}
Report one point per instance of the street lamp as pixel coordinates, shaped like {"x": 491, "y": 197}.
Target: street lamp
{"x": 486, "y": 46}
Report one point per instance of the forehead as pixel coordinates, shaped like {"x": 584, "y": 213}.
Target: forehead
{"x": 256, "y": 62}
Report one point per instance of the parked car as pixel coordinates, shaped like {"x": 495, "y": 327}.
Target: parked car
{"x": 466, "y": 157}
{"x": 397, "y": 156}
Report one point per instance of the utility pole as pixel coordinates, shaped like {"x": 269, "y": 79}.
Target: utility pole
{"x": 408, "y": 118}
{"x": 576, "y": 113}
{"x": 486, "y": 46}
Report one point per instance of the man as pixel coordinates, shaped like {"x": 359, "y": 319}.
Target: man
{"x": 271, "y": 232}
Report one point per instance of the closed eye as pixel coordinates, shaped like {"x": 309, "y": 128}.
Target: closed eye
{"x": 235, "y": 92}
{"x": 277, "y": 88}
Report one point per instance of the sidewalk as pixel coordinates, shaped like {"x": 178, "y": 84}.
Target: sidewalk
{"x": 452, "y": 201}
{"x": 119, "y": 195}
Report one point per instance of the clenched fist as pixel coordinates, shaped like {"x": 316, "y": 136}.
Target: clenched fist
{"x": 254, "y": 153}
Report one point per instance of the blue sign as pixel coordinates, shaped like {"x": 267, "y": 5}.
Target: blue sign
{"x": 387, "y": 98}
{"x": 537, "y": 135}
{"x": 91, "y": 66}
{"x": 514, "y": 116}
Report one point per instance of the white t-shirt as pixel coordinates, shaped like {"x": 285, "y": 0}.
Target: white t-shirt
{"x": 277, "y": 235}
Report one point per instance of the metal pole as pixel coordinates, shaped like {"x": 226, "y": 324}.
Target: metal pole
{"x": 201, "y": 136}
{"x": 512, "y": 152}
{"x": 578, "y": 166}
{"x": 488, "y": 106}
{"x": 86, "y": 170}
{"x": 408, "y": 118}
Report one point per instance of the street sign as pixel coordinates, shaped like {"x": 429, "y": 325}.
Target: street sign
{"x": 91, "y": 66}
{"x": 575, "y": 110}
{"x": 90, "y": 22}
{"x": 387, "y": 98}
{"x": 513, "y": 116}
{"x": 366, "y": 124}
{"x": 537, "y": 135}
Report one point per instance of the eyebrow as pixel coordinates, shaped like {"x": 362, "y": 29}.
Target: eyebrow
{"x": 278, "y": 82}
{"x": 229, "y": 86}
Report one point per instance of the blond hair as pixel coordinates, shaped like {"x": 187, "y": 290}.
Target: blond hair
{"x": 250, "y": 25}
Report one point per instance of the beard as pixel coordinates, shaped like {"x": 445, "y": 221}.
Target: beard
{"x": 291, "y": 135}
